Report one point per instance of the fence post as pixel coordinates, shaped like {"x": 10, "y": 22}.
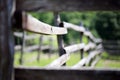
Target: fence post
{"x": 59, "y": 37}
{"x": 50, "y": 47}
{"x": 81, "y": 51}
{"x": 81, "y": 40}
{"x": 89, "y": 40}
{"x": 40, "y": 45}
{"x": 6, "y": 39}
{"x": 22, "y": 48}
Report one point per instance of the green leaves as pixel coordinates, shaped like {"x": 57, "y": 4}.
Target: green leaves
{"x": 108, "y": 25}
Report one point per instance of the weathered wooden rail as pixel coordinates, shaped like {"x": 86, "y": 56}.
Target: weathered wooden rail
{"x": 7, "y": 9}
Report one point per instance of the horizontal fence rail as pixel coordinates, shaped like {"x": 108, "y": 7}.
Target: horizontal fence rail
{"x": 60, "y": 61}
{"x": 81, "y": 29}
{"x": 89, "y": 46}
{"x": 32, "y": 24}
{"x": 27, "y": 37}
{"x": 87, "y": 59}
{"x": 74, "y": 27}
{"x": 74, "y": 48}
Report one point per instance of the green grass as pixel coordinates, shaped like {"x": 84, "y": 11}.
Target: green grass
{"x": 106, "y": 61}
{"x": 109, "y": 61}
{"x": 30, "y": 59}
{"x": 74, "y": 58}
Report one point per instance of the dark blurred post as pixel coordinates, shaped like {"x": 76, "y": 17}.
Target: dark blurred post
{"x": 6, "y": 39}
{"x": 23, "y": 47}
{"x": 89, "y": 40}
{"x": 59, "y": 37}
{"x": 81, "y": 41}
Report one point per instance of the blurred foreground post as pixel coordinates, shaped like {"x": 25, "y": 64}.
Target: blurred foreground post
{"x": 6, "y": 40}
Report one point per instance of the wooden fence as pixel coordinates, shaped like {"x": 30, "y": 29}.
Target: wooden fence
{"x": 94, "y": 45}
{"x": 26, "y": 46}
{"x": 7, "y": 9}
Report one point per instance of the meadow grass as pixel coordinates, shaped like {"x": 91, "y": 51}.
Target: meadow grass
{"x": 109, "y": 61}
{"x": 30, "y": 59}
{"x": 106, "y": 61}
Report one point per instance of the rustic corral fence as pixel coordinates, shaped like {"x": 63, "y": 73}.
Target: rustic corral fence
{"x": 27, "y": 22}
{"x": 64, "y": 52}
{"x": 25, "y": 43}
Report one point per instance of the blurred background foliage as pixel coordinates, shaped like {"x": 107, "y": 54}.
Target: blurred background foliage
{"x": 103, "y": 24}
{"x": 107, "y": 25}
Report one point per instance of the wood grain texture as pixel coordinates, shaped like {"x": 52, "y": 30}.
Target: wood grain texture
{"x": 32, "y": 24}
{"x": 69, "y": 5}
{"x": 75, "y": 47}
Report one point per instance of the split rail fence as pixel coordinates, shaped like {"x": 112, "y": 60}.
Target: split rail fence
{"x": 94, "y": 48}
{"x": 26, "y": 22}
{"x": 36, "y": 26}
{"x": 25, "y": 43}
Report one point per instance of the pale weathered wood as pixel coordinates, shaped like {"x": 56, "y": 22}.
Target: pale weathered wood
{"x": 34, "y": 25}
{"x": 60, "y": 61}
{"x": 69, "y": 5}
{"x": 80, "y": 63}
{"x": 91, "y": 37}
{"x": 17, "y": 47}
{"x": 89, "y": 46}
{"x": 18, "y": 34}
{"x": 35, "y": 47}
{"x": 87, "y": 59}
{"x": 6, "y": 39}
{"x": 66, "y": 74}
{"x": 87, "y": 33}
{"x": 74, "y": 47}
{"x": 31, "y": 48}
{"x": 74, "y": 27}
{"x": 95, "y": 61}
{"x": 27, "y": 37}
{"x": 81, "y": 29}
{"x": 92, "y": 55}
